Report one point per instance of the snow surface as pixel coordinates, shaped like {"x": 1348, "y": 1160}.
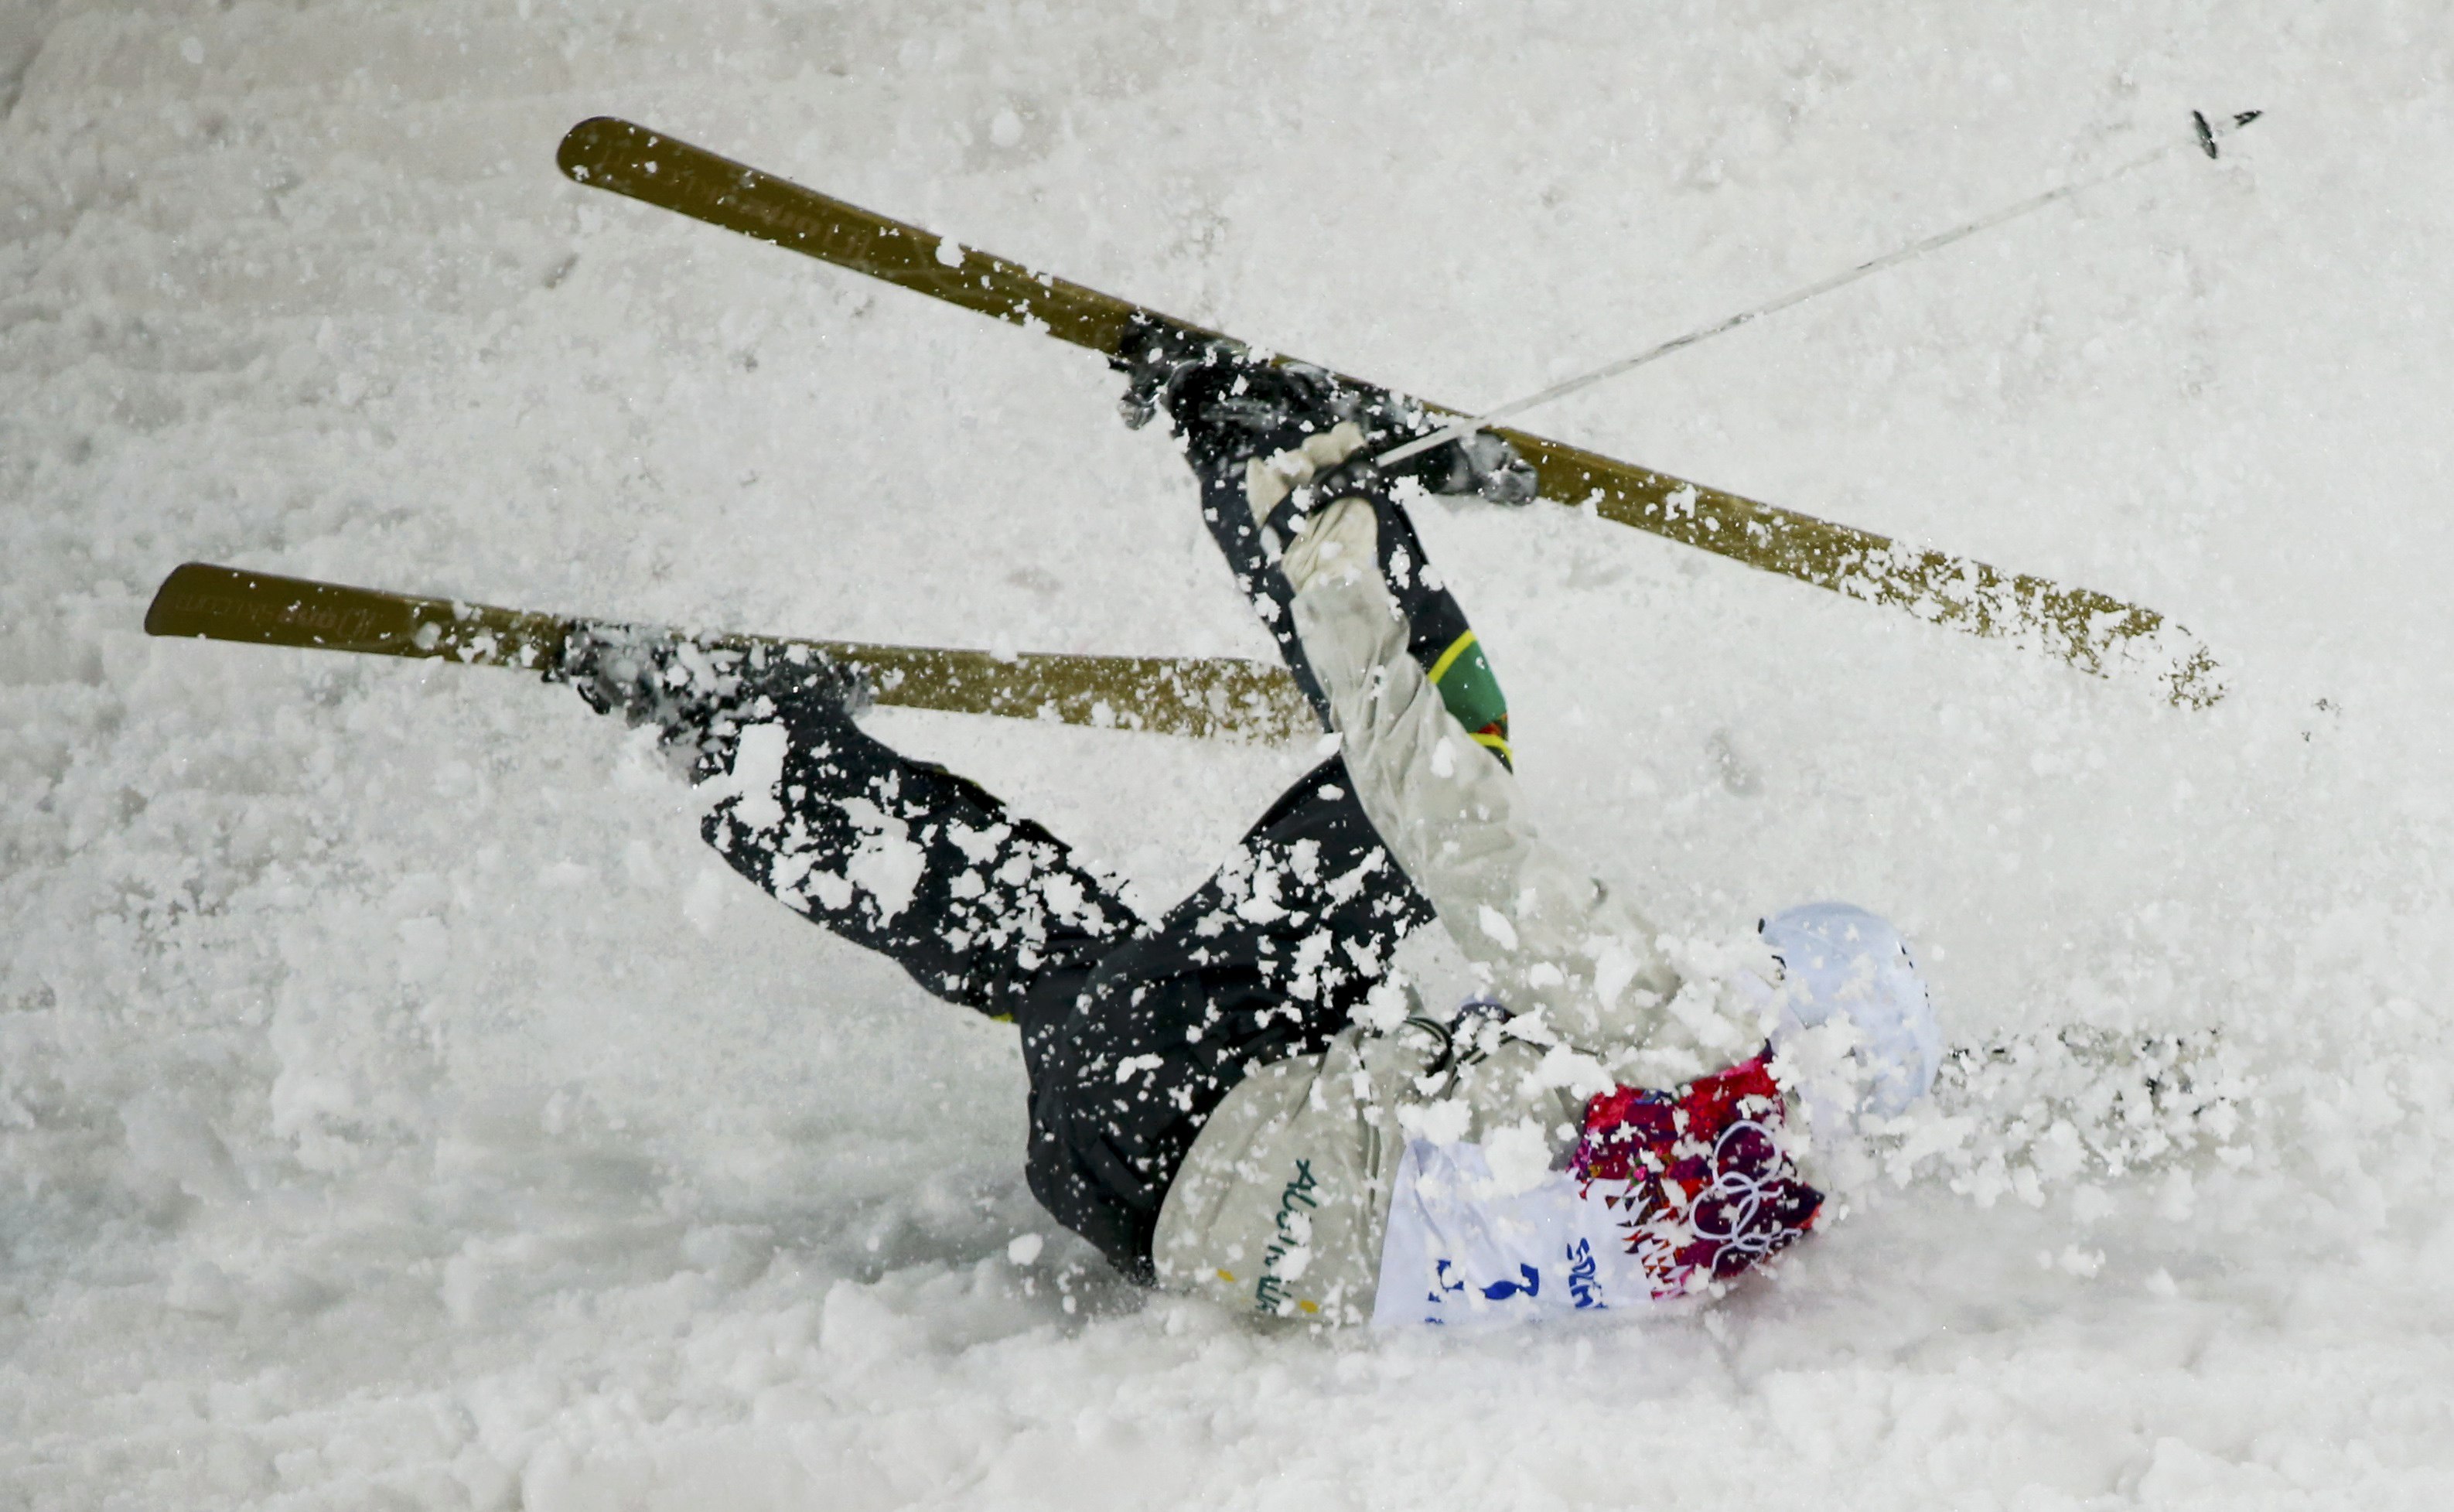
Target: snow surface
{"x": 398, "y": 1109}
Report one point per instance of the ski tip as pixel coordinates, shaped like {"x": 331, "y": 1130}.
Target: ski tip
{"x": 584, "y": 145}
{"x": 2171, "y": 655}
{"x": 167, "y": 615}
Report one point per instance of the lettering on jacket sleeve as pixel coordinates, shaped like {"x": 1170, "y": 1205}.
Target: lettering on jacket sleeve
{"x": 1289, "y": 1253}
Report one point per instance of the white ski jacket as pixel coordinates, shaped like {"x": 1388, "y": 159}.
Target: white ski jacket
{"x": 1283, "y": 1204}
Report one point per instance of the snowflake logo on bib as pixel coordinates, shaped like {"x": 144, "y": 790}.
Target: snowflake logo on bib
{"x": 1698, "y": 1176}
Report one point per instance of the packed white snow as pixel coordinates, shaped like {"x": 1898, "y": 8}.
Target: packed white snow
{"x": 399, "y": 1107}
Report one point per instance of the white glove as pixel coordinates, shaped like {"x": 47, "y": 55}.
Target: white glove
{"x": 1340, "y": 543}
{"x": 1269, "y": 480}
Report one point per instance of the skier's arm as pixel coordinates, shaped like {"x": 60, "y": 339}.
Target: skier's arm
{"x": 1452, "y": 814}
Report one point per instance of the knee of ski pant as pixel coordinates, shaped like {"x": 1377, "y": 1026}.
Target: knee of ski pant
{"x": 1100, "y": 1169}
{"x": 1137, "y": 1061}
{"x": 1081, "y": 1206}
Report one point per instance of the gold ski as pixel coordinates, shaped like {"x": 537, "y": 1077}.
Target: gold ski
{"x": 2089, "y": 630}
{"x": 1205, "y": 697}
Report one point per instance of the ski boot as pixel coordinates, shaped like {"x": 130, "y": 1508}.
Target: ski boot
{"x": 1232, "y": 406}
{"x": 698, "y": 692}
{"x": 1287, "y": 439}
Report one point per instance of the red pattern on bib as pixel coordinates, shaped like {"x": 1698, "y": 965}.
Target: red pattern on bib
{"x": 1701, "y": 1183}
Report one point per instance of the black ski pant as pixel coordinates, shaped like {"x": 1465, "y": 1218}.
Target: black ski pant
{"x": 1132, "y": 1031}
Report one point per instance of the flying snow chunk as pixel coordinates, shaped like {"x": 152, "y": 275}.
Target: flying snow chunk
{"x": 1520, "y": 1158}
{"x": 758, "y": 774}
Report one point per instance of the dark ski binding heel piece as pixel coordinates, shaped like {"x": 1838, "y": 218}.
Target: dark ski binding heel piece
{"x": 699, "y": 691}
{"x": 1231, "y": 406}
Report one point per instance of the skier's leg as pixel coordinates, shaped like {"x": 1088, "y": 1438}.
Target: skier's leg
{"x": 1236, "y": 414}
{"x": 1269, "y": 958}
{"x": 926, "y": 867}
{"x": 1256, "y": 572}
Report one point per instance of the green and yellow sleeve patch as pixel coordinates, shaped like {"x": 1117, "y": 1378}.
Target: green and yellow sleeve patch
{"x": 1472, "y": 693}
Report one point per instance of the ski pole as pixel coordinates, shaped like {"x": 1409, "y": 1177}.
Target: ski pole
{"x": 2205, "y": 135}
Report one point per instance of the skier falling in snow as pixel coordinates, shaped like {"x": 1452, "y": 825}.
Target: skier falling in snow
{"x": 1237, "y": 1099}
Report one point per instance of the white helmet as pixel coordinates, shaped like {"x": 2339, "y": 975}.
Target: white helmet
{"x": 1839, "y": 962}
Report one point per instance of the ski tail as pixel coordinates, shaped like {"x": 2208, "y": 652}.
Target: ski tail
{"x": 262, "y": 609}
{"x": 632, "y": 161}
{"x": 1205, "y": 697}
